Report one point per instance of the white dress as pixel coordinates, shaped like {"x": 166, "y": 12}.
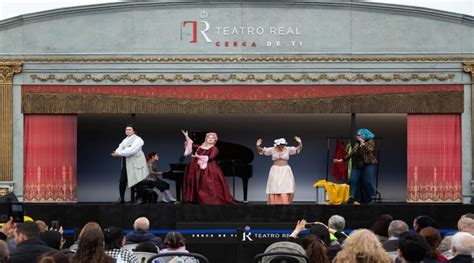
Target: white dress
{"x": 280, "y": 178}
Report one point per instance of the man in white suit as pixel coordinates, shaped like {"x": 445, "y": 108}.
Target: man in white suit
{"x": 134, "y": 167}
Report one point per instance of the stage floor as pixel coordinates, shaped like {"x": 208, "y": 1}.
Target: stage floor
{"x": 235, "y": 233}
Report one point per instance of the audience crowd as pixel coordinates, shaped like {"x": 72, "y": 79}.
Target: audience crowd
{"x": 387, "y": 240}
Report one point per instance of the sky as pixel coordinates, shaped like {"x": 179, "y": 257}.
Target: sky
{"x": 11, "y": 8}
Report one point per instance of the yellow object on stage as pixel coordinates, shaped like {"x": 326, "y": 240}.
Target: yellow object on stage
{"x": 25, "y": 219}
{"x": 337, "y": 193}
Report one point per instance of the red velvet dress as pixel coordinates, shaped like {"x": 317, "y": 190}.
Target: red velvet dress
{"x": 206, "y": 186}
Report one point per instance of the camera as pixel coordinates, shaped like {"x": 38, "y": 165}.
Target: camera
{"x": 17, "y": 212}
{"x": 55, "y": 225}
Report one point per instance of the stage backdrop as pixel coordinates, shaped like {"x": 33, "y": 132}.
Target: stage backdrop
{"x": 50, "y": 157}
{"x": 100, "y": 134}
{"x": 434, "y": 158}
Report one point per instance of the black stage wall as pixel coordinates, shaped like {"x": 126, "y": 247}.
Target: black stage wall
{"x": 262, "y": 223}
{"x": 99, "y": 135}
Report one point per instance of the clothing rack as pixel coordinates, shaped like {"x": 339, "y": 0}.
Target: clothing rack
{"x": 378, "y": 143}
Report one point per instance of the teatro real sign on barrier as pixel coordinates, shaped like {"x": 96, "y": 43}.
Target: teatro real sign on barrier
{"x": 226, "y": 35}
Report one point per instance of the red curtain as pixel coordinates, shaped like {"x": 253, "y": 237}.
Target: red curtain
{"x": 434, "y": 158}
{"x": 50, "y": 158}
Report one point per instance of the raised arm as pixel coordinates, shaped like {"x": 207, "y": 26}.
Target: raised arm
{"x": 300, "y": 226}
{"x": 300, "y": 144}
{"x": 259, "y": 146}
{"x": 185, "y": 133}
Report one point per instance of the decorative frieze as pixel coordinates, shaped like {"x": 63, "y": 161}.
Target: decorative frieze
{"x": 222, "y": 78}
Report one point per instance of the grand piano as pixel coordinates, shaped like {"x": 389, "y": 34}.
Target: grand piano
{"x": 234, "y": 160}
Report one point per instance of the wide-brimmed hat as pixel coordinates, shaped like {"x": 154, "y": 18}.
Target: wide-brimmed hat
{"x": 280, "y": 141}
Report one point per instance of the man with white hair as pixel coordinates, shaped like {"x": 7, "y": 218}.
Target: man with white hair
{"x": 465, "y": 224}
{"x": 462, "y": 246}
{"x": 395, "y": 230}
{"x": 141, "y": 233}
{"x": 336, "y": 224}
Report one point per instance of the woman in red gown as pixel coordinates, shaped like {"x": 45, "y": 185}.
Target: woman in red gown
{"x": 204, "y": 181}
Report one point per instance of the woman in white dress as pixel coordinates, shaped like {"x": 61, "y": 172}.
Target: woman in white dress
{"x": 281, "y": 182}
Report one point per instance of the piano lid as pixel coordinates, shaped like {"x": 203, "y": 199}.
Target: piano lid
{"x": 227, "y": 150}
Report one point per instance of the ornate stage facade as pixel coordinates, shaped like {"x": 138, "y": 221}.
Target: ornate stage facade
{"x": 354, "y": 62}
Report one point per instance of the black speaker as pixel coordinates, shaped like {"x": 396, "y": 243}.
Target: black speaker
{"x": 9, "y": 198}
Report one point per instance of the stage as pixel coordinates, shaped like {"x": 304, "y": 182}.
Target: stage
{"x": 234, "y": 233}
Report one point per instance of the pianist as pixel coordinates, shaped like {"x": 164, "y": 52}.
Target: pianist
{"x": 156, "y": 180}
{"x": 281, "y": 182}
{"x": 204, "y": 182}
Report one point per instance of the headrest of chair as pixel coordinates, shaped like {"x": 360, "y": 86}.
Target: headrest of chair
{"x": 284, "y": 246}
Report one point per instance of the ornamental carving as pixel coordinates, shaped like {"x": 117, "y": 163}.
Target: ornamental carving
{"x": 469, "y": 68}
{"x": 222, "y": 78}
{"x": 7, "y": 71}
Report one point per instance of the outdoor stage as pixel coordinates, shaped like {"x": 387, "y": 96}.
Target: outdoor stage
{"x": 235, "y": 233}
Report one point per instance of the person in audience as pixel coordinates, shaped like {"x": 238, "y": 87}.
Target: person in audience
{"x": 395, "y": 229}
{"x": 465, "y": 224}
{"x": 4, "y": 252}
{"x": 174, "y": 242}
{"x": 88, "y": 226}
{"x": 91, "y": 248}
{"x": 142, "y": 233}
{"x": 53, "y": 239}
{"x": 7, "y": 229}
{"x": 281, "y": 182}
{"x": 114, "y": 242}
{"x": 319, "y": 230}
{"x": 469, "y": 215}
{"x": 315, "y": 249}
{"x": 53, "y": 256}
{"x": 336, "y": 224}
{"x": 423, "y": 221}
{"x": 433, "y": 239}
{"x": 462, "y": 247}
{"x": 362, "y": 246}
{"x": 380, "y": 226}
{"x": 146, "y": 246}
{"x": 204, "y": 181}
{"x": 42, "y": 225}
{"x": 28, "y": 244}
{"x": 412, "y": 247}
{"x": 155, "y": 178}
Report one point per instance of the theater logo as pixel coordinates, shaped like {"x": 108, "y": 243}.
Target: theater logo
{"x": 262, "y": 235}
{"x": 227, "y": 36}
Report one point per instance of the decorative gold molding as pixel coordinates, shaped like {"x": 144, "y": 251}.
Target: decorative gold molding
{"x": 243, "y": 77}
{"x": 7, "y": 71}
{"x": 61, "y": 103}
{"x": 469, "y": 68}
{"x": 235, "y": 59}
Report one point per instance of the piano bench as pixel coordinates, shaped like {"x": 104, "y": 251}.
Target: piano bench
{"x": 144, "y": 191}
